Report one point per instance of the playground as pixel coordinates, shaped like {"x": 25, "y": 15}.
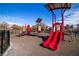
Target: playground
{"x": 41, "y": 39}
{"x": 30, "y": 46}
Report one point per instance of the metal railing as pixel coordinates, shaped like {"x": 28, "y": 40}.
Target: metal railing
{"x": 4, "y": 40}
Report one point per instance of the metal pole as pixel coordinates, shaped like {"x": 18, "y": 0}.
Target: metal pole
{"x": 53, "y": 19}
{"x": 62, "y": 14}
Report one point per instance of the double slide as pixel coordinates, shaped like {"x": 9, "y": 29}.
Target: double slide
{"x": 54, "y": 40}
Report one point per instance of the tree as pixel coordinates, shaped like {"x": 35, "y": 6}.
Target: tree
{"x": 34, "y": 27}
{"x": 68, "y": 29}
{"x": 77, "y": 27}
{"x": 4, "y": 26}
{"x": 71, "y": 26}
{"x": 67, "y": 26}
{"x": 16, "y": 28}
{"x": 43, "y": 26}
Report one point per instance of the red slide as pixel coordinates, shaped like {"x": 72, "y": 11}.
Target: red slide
{"x": 60, "y": 38}
{"x": 54, "y": 40}
{"x": 46, "y": 43}
{"x": 53, "y": 44}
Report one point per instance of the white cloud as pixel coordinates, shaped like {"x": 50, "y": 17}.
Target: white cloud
{"x": 12, "y": 20}
{"x": 12, "y": 23}
{"x": 73, "y": 18}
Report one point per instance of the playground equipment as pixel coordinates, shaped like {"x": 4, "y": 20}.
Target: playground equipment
{"x": 25, "y": 30}
{"x": 57, "y": 34}
{"x": 29, "y": 29}
{"x": 47, "y": 29}
{"x": 39, "y": 28}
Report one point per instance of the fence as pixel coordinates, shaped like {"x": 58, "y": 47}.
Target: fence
{"x": 4, "y": 40}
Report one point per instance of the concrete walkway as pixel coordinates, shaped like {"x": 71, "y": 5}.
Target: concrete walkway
{"x": 30, "y": 46}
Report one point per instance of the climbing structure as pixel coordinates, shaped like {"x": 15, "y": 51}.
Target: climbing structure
{"x": 57, "y": 34}
{"x": 29, "y": 29}
{"x": 39, "y": 28}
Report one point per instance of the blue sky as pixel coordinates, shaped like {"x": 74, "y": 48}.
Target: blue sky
{"x": 27, "y": 13}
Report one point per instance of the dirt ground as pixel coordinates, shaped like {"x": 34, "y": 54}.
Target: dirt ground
{"x": 30, "y": 46}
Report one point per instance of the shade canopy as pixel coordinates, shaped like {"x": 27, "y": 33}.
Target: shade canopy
{"x": 39, "y": 20}
{"x": 53, "y": 6}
